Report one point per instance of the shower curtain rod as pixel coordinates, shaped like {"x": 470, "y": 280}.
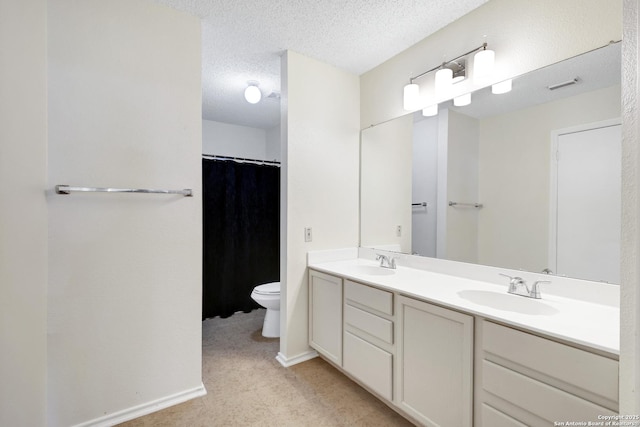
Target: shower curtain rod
{"x": 242, "y": 159}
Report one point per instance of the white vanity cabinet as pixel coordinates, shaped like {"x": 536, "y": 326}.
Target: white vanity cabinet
{"x": 523, "y": 379}
{"x": 368, "y": 351}
{"x": 325, "y": 315}
{"x": 442, "y": 367}
{"x": 435, "y": 364}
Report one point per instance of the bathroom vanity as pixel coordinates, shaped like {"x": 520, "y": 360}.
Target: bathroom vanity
{"x": 451, "y": 351}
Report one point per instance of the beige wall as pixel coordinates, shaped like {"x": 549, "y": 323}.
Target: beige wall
{"x": 125, "y": 281}
{"x": 526, "y": 35}
{"x": 320, "y": 131}
{"x": 23, "y": 212}
{"x": 515, "y": 161}
{"x": 385, "y": 198}
{"x": 630, "y": 288}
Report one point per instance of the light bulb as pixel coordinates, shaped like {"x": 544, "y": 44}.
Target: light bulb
{"x": 502, "y": 87}
{"x": 411, "y": 100}
{"x": 430, "y": 111}
{"x": 483, "y": 63}
{"x": 443, "y": 82}
{"x": 462, "y": 100}
{"x": 252, "y": 94}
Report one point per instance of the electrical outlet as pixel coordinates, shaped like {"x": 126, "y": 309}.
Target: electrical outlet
{"x": 399, "y": 231}
{"x": 307, "y": 234}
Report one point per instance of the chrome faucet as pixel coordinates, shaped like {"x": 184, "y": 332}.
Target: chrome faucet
{"x": 386, "y": 262}
{"x": 518, "y": 286}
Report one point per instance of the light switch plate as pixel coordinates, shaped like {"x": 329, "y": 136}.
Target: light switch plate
{"x": 307, "y": 234}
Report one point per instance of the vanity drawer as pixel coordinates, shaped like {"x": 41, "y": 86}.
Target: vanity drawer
{"x": 369, "y": 364}
{"x": 492, "y": 417}
{"x": 369, "y": 323}
{"x": 376, "y": 299}
{"x": 577, "y": 368}
{"x": 547, "y": 402}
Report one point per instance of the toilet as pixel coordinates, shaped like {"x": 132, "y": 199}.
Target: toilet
{"x": 268, "y": 296}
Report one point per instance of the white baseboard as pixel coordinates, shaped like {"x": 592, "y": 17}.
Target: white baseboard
{"x": 286, "y": 362}
{"x": 145, "y": 408}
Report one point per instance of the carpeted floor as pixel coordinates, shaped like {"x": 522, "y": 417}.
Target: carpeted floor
{"x": 246, "y": 386}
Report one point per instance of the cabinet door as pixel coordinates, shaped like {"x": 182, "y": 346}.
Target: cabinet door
{"x": 435, "y": 364}
{"x": 325, "y": 315}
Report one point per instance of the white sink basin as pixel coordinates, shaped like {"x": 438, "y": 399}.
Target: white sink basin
{"x": 371, "y": 270}
{"x": 508, "y": 302}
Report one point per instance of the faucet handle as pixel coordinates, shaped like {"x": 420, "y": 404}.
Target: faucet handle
{"x": 392, "y": 261}
{"x": 513, "y": 279}
{"x": 535, "y": 289}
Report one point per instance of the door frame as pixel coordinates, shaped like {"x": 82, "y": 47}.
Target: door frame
{"x": 553, "y": 181}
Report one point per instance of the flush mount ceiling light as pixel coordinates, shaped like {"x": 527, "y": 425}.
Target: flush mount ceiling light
{"x": 252, "y": 93}
{"x": 449, "y": 73}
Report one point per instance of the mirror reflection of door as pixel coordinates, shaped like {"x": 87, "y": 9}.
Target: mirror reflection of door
{"x": 587, "y": 208}
{"x": 424, "y": 187}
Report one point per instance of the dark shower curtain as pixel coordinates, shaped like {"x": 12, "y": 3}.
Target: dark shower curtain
{"x": 241, "y": 227}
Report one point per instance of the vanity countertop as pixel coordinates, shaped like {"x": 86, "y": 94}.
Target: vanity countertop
{"x": 573, "y": 320}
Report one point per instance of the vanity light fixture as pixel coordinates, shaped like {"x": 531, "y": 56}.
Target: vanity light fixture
{"x": 443, "y": 82}
{"x": 462, "y": 100}
{"x": 411, "y": 97}
{"x": 430, "y": 111}
{"x": 502, "y": 87}
{"x": 449, "y": 73}
{"x": 252, "y": 93}
{"x": 483, "y": 63}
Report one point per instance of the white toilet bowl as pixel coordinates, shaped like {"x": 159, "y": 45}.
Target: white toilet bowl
{"x": 268, "y": 296}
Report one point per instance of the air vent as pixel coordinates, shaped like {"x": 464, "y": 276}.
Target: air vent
{"x": 563, "y": 84}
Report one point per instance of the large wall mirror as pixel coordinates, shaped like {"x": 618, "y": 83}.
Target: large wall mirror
{"x": 525, "y": 180}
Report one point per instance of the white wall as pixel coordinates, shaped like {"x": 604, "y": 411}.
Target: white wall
{"x": 125, "y": 281}
{"x": 526, "y": 35}
{"x": 425, "y": 186}
{"x": 462, "y": 187}
{"x": 274, "y": 145}
{"x": 385, "y": 184}
{"x": 23, "y": 212}
{"x": 224, "y": 139}
{"x": 515, "y": 156}
{"x": 320, "y": 127}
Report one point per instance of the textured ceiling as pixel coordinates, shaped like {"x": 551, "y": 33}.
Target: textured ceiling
{"x": 243, "y": 40}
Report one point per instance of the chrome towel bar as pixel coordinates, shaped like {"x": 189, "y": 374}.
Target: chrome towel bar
{"x": 466, "y": 205}
{"x": 67, "y": 189}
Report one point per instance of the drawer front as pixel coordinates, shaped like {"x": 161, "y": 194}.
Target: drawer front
{"x": 492, "y": 417}
{"x": 369, "y": 364}
{"x": 370, "y": 323}
{"x": 376, "y": 299}
{"x": 587, "y": 371}
{"x": 548, "y": 403}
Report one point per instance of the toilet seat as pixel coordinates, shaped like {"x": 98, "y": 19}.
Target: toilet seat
{"x": 272, "y": 288}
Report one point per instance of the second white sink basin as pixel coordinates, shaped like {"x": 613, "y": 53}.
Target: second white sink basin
{"x": 508, "y": 302}
{"x": 372, "y": 270}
